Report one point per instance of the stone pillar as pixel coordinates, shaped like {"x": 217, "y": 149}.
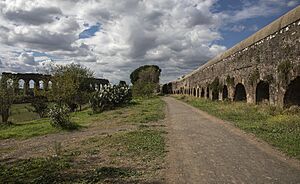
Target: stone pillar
{"x": 46, "y": 83}
{"x": 26, "y": 87}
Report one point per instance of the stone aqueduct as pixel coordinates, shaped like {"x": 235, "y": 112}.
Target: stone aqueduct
{"x": 27, "y": 83}
{"x": 263, "y": 67}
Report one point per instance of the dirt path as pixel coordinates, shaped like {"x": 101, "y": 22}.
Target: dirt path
{"x": 204, "y": 149}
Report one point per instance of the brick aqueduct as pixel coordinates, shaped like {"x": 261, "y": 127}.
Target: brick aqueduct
{"x": 264, "y": 67}
{"x": 28, "y": 82}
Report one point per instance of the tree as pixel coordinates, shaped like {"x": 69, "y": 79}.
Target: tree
{"x": 6, "y": 98}
{"x": 71, "y": 83}
{"x": 141, "y": 73}
{"x": 145, "y": 80}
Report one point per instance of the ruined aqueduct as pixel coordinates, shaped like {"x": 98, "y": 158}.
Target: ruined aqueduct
{"x": 27, "y": 83}
{"x": 263, "y": 67}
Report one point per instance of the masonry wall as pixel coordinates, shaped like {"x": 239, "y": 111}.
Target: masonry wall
{"x": 270, "y": 60}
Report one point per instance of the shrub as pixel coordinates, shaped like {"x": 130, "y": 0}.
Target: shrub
{"x": 60, "y": 117}
{"x": 144, "y": 89}
{"x": 40, "y": 106}
{"x": 110, "y": 97}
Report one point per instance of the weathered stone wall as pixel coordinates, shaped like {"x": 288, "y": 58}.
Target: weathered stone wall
{"x": 270, "y": 57}
{"x": 46, "y": 81}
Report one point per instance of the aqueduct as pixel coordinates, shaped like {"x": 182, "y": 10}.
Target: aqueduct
{"x": 263, "y": 68}
{"x": 27, "y": 83}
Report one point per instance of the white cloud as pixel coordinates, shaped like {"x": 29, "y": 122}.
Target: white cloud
{"x": 174, "y": 34}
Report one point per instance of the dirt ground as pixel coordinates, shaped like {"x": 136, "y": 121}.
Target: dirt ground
{"x": 204, "y": 149}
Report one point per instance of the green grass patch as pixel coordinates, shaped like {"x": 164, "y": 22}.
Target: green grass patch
{"x": 148, "y": 144}
{"x": 20, "y": 114}
{"x": 139, "y": 111}
{"x": 38, "y": 170}
{"x": 277, "y": 126}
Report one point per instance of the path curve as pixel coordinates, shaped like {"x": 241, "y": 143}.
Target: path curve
{"x": 204, "y": 149}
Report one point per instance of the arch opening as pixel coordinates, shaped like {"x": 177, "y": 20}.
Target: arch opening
{"x": 202, "y": 93}
{"x": 215, "y": 95}
{"x": 262, "y": 92}
{"x": 194, "y": 92}
{"x": 240, "y": 93}
{"x": 292, "y": 95}
{"x": 198, "y": 92}
{"x": 31, "y": 84}
{"x": 21, "y": 84}
{"x": 225, "y": 92}
{"x": 41, "y": 84}
{"x": 207, "y": 92}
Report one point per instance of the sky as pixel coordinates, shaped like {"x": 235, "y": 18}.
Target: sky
{"x": 113, "y": 37}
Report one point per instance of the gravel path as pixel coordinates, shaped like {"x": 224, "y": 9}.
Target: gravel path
{"x": 204, "y": 149}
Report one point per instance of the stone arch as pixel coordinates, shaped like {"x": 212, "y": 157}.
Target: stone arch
{"x": 202, "y": 92}
{"x": 21, "y": 83}
{"x": 41, "y": 84}
{"x": 240, "y": 93}
{"x": 194, "y": 92}
{"x": 225, "y": 92}
{"x": 31, "y": 84}
{"x": 262, "y": 91}
{"x": 207, "y": 92}
{"x": 292, "y": 95}
{"x": 10, "y": 82}
{"x": 50, "y": 84}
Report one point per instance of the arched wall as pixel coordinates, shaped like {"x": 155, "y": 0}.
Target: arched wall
{"x": 254, "y": 60}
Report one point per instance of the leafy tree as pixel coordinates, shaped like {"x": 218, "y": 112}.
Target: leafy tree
{"x": 39, "y": 105}
{"x": 145, "y": 80}
{"x": 71, "y": 85}
{"x": 6, "y": 98}
{"x": 141, "y": 73}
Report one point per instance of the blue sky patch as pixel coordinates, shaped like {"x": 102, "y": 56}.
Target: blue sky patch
{"x": 90, "y": 32}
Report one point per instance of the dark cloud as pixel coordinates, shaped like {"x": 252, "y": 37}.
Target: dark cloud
{"x": 35, "y": 16}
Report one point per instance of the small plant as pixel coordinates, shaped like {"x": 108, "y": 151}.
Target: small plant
{"x": 60, "y": 117}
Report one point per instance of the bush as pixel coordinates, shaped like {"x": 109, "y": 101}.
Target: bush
{"x": 40, "y": 106}
{"x": 144, "y": 89}
{"x": 60, "y": 117}
{"x": 110, "y": 97}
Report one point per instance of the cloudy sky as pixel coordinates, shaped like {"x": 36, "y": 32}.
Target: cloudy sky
{"x": 113, "y": 37}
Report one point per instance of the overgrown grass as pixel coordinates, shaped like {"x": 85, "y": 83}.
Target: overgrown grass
{"x": 277, "y": 126}
{"x": 19, "y": 114}
{"x": 131, "y": 154}
{"x": 139, "y": 111}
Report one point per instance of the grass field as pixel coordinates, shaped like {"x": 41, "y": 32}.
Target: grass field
{"x": 141, "y": 110}
{"x": 134, "y": 155}
{"x": 19, "y": 114}
{"x": 279, "y": 127}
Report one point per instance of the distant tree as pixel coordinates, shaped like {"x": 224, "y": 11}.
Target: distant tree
{"x": 71, "y": 85}
{"x": 145, "y": 80}
{"x": 6, "y": 98}
{"x": 141, "y": 73}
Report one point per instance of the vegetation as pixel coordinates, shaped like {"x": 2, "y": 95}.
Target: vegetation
{"x": 283, "y": 70}
{"x": 134, "y": 155}
{"x": 40, "y": 106}
{"x": 145, "y": 80}
{"x": 6, "y": 99}
{"x": 279, "y": 127}
{"x": 71, "y": 85}
{"x": 254, "y": 76}
{"x": 110, "y": 97}
{"x": 60, "y": 117}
